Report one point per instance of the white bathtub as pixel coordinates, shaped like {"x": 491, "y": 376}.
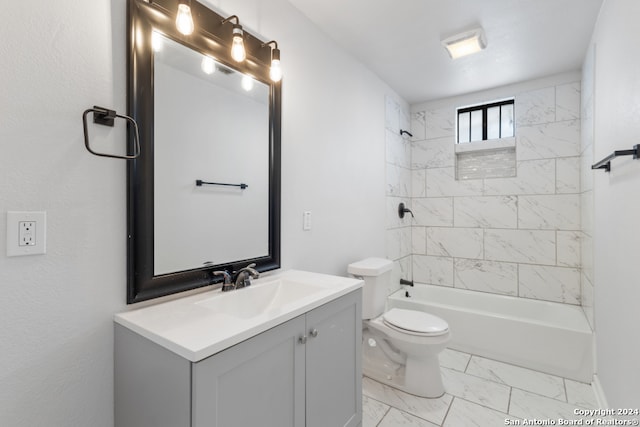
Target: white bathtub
{"x": 546, "y": 336}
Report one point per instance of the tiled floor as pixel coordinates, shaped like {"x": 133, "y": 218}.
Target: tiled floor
{"x": 479, "y": 392}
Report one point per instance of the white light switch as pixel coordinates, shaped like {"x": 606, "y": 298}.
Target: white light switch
{"x": 26, "y": 233}
{"x": 306, "y": 220}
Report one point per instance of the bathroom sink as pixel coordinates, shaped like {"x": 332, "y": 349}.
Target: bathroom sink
{"x": 200, "y": 325}
{"x": 260, "y": 298}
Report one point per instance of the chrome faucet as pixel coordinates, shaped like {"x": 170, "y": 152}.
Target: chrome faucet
{"x": 244, "y": 275}
{"x": 240, "y": 279}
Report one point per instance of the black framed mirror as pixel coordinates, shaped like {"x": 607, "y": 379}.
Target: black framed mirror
{"x": 198, "y": 123}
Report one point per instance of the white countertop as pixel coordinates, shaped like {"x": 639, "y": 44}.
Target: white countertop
{"x": 195, "y": 327}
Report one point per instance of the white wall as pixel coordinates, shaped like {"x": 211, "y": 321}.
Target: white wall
{"x": 616, "y": 240}
{"x": 56, "y": 310}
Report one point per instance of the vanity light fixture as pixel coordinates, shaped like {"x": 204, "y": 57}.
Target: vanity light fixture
{"x": 238, "y": 53}
{"x": 208, "y": 65}
{"x": 275, "y": 72}
{"x": 465, "y": 43}
{"x": 156, "y": 41}
{"x": 184, "y": 20}
{"x": 247, "y": 83}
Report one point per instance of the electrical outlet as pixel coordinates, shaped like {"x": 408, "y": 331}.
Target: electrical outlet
{"x": 26, "y": 233}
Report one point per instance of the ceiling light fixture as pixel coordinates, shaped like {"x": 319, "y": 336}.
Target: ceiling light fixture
{"x": 275, "y": 72}
{"x": 184, "y": 20}
{"x": 238, "y": 53}
{"x": 466, "y": 43}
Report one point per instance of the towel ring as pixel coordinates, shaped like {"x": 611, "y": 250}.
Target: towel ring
{"x": 106, "y": 117}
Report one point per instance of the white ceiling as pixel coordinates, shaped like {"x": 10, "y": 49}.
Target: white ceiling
{"x": 400, "y": 40}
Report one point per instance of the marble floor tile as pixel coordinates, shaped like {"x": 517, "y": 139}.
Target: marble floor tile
{"x": 581, "y": 394}
{"x": 529, "y": 405}
{"x": 454, "y": 359}
{"x": 478, "y": 390}
{"x": 433, "y": 410}
{"x": 467, "y": 414}
{"x": 372, "y": 411}
{"x": 479, "y": 393}
{"x": 515, "y": 376}
{"x": 397, "y": 418}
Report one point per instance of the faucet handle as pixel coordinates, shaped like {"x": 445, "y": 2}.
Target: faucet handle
{"x": 244, "y": 275}
{"x": 227, "y": 285}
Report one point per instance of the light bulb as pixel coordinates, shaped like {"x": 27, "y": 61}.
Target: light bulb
{"x": 208, "y": 65}
{"x": 184, "y": 20}
{"x": 156, "y": 41}
{"x": 247, "y": 83}
{"x": 237, "y": 47}
{"x": 275, "y": 73}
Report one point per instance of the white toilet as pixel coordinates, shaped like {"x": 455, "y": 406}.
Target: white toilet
{"x": 400, "y": 347}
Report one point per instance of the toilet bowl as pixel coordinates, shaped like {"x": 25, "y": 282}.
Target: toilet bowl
{"x": 400, "y": 347}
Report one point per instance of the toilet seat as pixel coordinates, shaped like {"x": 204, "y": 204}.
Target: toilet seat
{"x": 415, "y": 322}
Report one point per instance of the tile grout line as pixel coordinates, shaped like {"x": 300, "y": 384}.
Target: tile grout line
{"x": 385, "y": 414}
{"x": 448, "y": 410}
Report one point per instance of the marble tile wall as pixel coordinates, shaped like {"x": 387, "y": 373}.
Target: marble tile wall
{"x": 520, "y": 235}
{"x": 398, "y": 189}
{"x": 586, "y": 185}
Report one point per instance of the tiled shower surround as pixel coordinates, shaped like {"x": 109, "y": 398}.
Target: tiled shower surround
{"x": 518, "y": 236}
{"x": 398, "y": 190}
{"x": 586, "y": 184}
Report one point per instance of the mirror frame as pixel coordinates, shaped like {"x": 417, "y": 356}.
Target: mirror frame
{"x": 213, "y": 38}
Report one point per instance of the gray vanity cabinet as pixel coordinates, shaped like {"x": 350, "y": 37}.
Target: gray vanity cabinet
{"x": 334, "y": 364}
{"x": 305, "y": 372}
{"x": 259, "y": 382}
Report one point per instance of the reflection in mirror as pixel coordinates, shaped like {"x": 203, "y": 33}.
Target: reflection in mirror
{"x": 211, "y": 124}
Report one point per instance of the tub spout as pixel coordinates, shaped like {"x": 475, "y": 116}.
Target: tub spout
{"x": 406, "y": 282}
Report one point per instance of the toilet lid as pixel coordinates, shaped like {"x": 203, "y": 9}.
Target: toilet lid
{"x": 415, "y": 321}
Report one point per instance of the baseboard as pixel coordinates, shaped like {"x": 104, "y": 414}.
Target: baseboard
{"x": 599, "y": 392}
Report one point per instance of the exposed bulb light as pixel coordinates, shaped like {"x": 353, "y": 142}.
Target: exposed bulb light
{"x": 184, "y": 20}
{"x": 238, "y": 52}
{"x": 247, "y": 83}
{"x": 208, "y": 65}
{"x": 465, "y": 43}
{"x": 275, "y": 72}
{"x": 156, "y": 41}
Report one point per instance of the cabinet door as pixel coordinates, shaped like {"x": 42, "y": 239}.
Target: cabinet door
{"x": 334, "y": 369}
{"x": 259, "y": 382}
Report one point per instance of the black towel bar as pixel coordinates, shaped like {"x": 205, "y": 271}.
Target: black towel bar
{"x": 200, "y": 182}
{"x": 606, "y": 162}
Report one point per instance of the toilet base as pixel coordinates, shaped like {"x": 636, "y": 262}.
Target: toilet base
{"x": 420, "y": 378}
{"x": 423, "y": 377}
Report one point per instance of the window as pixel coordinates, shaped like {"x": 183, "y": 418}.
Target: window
{"x": 488, "y": 121}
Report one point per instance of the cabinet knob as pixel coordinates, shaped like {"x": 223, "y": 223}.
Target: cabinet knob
{"x": 313, "y": 332}
{"x": 302, "y": 339}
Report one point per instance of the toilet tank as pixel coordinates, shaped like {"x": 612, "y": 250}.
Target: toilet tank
{"x": 376, "y": 273}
